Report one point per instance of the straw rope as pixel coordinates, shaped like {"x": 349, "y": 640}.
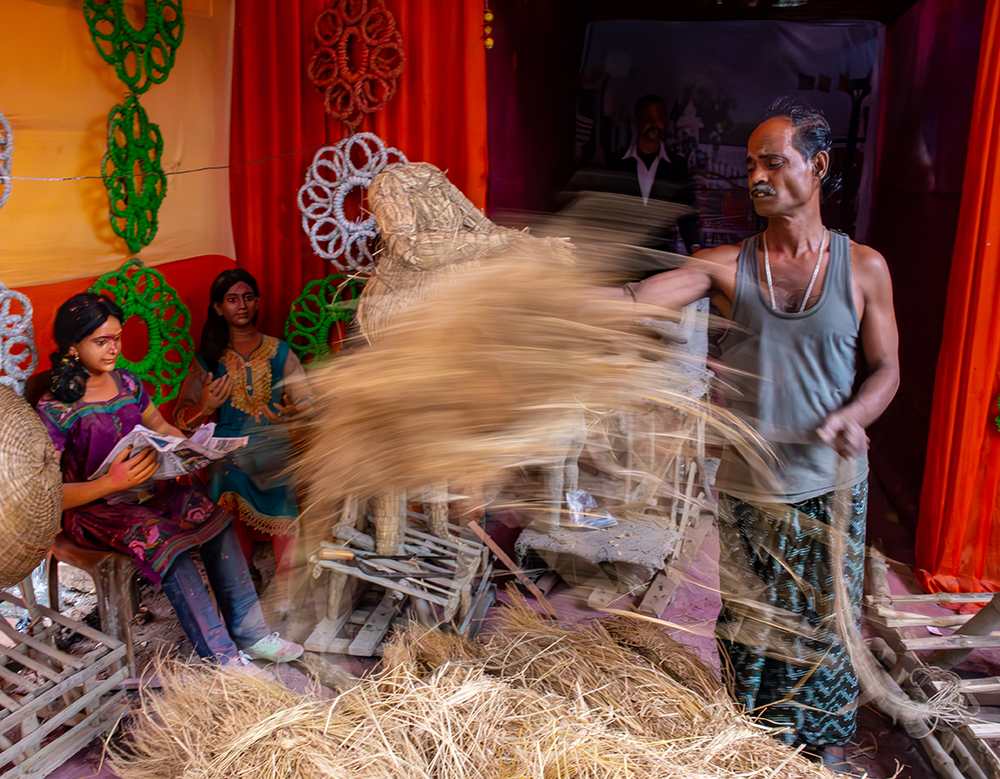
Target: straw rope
{"x": 145, "y": 293}
{"x": 143, "y": 56}
{"x": 332, "y": 177}
{"x": 358, "y": 58}
{"x": 134, "y": 143}
{"x": 6, "y": 153}
{"x": 18, "y": 352}
{"x": 320, "y": 305}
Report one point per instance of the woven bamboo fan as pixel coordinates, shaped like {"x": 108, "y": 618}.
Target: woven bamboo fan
{"x": 30, "y": 489}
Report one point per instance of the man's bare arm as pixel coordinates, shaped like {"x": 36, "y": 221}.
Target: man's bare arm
{"x": 675, "y": 289}
{"x": 844, "y": 429}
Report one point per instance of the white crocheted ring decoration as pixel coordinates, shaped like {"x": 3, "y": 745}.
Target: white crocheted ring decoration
{"x": 18, "y": 353}
{"x": 335, "y": 173}
{"x": 6, "y": 153}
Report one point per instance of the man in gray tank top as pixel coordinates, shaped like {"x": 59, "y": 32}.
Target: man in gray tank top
{"x": 804, "y": 300}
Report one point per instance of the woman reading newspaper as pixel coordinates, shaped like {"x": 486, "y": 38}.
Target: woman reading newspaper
{"x": 91, "y": 405}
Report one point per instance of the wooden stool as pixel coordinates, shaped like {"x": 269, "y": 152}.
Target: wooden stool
{"x": 115, "y": 579}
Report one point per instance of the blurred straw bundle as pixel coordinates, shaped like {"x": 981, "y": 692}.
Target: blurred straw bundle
{"x": 538, "y": 700}
{"x": 492, "y": 369}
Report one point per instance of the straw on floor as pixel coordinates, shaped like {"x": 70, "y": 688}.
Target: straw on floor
{"x": 537, "y": 699}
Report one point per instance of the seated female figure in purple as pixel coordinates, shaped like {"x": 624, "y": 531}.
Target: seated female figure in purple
{"x": 91, "y": 405}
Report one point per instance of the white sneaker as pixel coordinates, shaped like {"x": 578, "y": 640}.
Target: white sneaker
{"x": 242, "y": 662}
{"x": 274, "y": 649}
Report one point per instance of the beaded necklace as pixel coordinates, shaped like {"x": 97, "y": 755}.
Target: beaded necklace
{"x": 812, "y": 281}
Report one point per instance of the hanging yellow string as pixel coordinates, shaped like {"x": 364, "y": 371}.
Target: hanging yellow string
{"x": 487, "y": 26}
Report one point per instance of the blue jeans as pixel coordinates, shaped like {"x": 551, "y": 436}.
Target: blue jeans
{"x": 227, "y": 572}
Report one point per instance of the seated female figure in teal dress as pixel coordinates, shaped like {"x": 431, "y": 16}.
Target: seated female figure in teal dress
{"x": 251, "y": 383}
{"x": 90, "y": 407}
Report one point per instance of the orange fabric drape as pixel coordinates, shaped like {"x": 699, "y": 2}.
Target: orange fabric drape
{"x": 958, "y": 536}
{"x": 56, "y": 90}
{"x": 437, "y": 115}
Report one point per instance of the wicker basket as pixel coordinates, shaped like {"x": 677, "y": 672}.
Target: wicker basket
{"x": 30, "y": 489}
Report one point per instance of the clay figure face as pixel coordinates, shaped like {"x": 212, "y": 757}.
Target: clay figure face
{"x": 99, "y": 351}
{"x": 781, "y": 180}
{"x": 239, "y": 305}
{"x": 649, "y": 123}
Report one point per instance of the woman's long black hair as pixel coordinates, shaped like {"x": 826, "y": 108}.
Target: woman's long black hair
{"x": 77, "y": 318}
{"x": 215, "y": 333}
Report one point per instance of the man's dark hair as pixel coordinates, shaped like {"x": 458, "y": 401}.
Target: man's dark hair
{"x": 812, "y": 131}
{"x": 646, "y": 101}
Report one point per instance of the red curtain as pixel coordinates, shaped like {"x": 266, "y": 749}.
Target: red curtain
{"x": 438, "y": 115}
{"x": 958, "y": 536}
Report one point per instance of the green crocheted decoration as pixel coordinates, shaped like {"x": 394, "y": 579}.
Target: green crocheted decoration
{"x": 316, "y": 310}
{"x": 132, "y": 173}
{"x": 143, "y": 292}
{"x": 140, "y": 57}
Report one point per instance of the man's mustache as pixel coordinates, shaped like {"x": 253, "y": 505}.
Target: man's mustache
{"x": 762, "y": 189}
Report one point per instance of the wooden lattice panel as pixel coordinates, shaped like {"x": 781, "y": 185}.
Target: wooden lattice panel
{"x": 456, "y": 582}
{"x": 53, "y": 702}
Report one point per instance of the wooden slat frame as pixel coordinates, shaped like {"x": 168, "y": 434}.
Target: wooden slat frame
{"x": 964, "y": 743}
{"x": 84, "y": 630}
{"x": 56, "y": 752}
{"x": 55, "y": 692}
{"x": 71, "y": 686}
{"x": 392, "y": 584}
{"x": 30, "y": 743}
{"x": 894, "y": 618}
{"x": 375, "y": 627}
{"x": 39, "y": 646}
{"x": 931, "y": 600}
{"x": 929, "y": 643}
{"x": 18, "y": 655}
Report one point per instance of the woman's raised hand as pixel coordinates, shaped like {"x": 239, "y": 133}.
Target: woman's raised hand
{"x": 125, "y": 474}
{"x": 285, "y": 411}
{"x": 215, "y": 393}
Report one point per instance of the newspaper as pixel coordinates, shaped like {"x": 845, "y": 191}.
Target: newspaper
{"x": 175, "y": 456}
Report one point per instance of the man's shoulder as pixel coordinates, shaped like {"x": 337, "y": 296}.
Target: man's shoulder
{"x": 720, "y": 263}
{"x": 865, "y": 253}
{"x": 867, "y": 263}
{"x": 870, "y": 276}
{"x": 726, "y": 254}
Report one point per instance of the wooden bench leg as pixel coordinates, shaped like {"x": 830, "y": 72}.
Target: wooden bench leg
{"x": 114, "y": 579}
{"x": 52, "y": 567}
{"x": 104, "y": 583}
{"x": 124, "y": 602}
{"x": 114, "y": 576}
